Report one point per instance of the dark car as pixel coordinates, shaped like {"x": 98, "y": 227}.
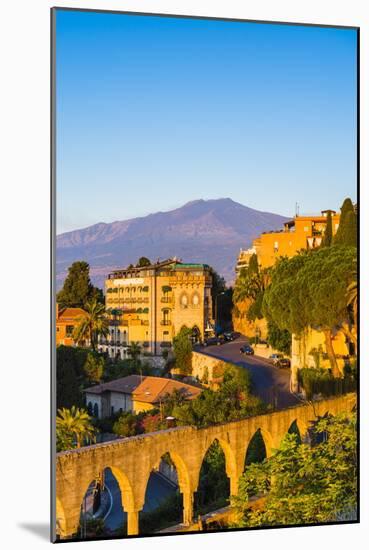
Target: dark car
{"x": 283, "y": 363}
{"x": 214, "y": 341}
{"x": 246, "y": 350}
{"x": 230, "y": 336}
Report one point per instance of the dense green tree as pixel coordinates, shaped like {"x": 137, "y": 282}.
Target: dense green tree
{"x": 310, "y": 290}
{"x": 78, "y": 289}
{"x": 143, "y": 262}
{"x": 328, "y": 234}
{"x": 92, "y": 324}
{"x": 182, "y": 348}
{"x": 311, "y": 484}
{"x": 250, "y": 285}
{"x": 279, "y": 339}
{"x": 69, "y": 375}
{"x": 347, "y": 229}
{"x": 232, "y": 401}
{"x": 94, "y": 367}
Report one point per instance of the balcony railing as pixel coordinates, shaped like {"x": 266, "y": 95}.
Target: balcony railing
{"x": 166, "y": 299}
{"x": 165, "y": 322}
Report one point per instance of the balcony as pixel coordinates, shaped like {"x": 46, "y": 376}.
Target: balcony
{"x": 165, "y": 322}
{"x": 166, "y": 299}
{"x": 166, "y": 344}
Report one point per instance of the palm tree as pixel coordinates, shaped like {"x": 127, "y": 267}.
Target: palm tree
{"x": 92, "y": 324}
{"x": 74, "y": 427}
{"x": 134, "y": 350}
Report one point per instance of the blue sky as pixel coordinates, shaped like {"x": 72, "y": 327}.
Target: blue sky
{"x": 155, "y": 112}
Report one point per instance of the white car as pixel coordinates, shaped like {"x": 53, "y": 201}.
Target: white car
{"x": 275, "y": 357}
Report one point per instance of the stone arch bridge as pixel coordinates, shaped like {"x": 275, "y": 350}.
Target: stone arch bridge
{"x": 132, "y": 460}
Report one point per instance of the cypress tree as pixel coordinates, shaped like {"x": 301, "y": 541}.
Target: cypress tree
{"x": 349, "y": 236}
{"x": 327, "y": 238}
{"x": 346, "y": 208}
{"x": 253, "y": 264}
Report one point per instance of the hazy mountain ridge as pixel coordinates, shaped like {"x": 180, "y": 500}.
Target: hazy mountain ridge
{"x": 209, "y": 231}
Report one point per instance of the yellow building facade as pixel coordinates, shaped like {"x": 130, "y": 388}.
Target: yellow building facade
{"x": 151, "y": 304}
{"x": 302, "y": 232}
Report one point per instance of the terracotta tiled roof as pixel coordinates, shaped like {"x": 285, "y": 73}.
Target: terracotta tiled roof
{"x": 153, "y": 389}
{"x": 148, "y": 389}
{"x": 121, "y": 385}
{"x": 71, "y": 313}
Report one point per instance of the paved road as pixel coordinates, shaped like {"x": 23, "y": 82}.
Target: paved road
{"x": 269, "y": 383}
{"x": 158, "y": 489}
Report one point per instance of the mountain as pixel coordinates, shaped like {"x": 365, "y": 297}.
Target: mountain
{"x": 207, "y": 231}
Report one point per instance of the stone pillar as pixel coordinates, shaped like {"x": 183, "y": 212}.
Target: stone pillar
{"x": 233, "y": 484}
{"x": 187, "y": 507}
{"x": 133, "y": 522}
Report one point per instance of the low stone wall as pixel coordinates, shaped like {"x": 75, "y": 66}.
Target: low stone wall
{"x": 206, "y": 367}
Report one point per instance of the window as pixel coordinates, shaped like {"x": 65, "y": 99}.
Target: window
{"x": 195, "y": 299}
{"x": 276, "y": 246}
{"x": 184, "y": 300}
{"x": 96, "y": 410}
{"x": 112, "y": 410}
{"x": 69, "y": 330}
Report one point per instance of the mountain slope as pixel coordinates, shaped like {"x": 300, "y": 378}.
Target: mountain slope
{"x": 209, "y": 231}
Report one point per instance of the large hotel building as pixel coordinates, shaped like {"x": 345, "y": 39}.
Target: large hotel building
{"x": 149, "y": 305}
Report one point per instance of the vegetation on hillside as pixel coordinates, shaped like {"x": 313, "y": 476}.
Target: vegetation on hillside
{"x": 302, "y": 483}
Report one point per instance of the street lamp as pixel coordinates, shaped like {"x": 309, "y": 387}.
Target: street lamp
{"x": 216, "y": 308}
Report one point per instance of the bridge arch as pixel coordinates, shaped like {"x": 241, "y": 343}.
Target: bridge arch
{"x": 269, "y": 441}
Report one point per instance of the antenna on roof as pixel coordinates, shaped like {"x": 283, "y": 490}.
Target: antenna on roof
{"x": 297, "y": 209}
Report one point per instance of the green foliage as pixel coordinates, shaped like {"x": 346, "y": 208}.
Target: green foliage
{"x": 255, "y": 309}
{"x": 94, "y": 367}
{"x": 347, "y": 229}
{"x": 134, "y": 351}
{"x": 310, "y": 290}
{"x": 143, "y": 262}
{"x": 328, "y": 234}
{"x": 311, "y": 484}
{"x": 78, "y": 289}
{"x": 169, "y": 512}
{"x": 256, "y": 451}
{"x": 74, "y": 428}
{"x": 232, "y": 401}
{"x": 70, "y": 375}
{"x": 213, "y": 488}
{"x": 182, "y": 348}
{"x": 117, "y": 368}
{"x": 126, "y": 425}
{"x": 92, "y": 325}
{"x": 321, "y": 381}
{"x": 279, "y": 339}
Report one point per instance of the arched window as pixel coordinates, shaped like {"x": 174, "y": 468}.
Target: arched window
{"x": 184, "y": 300}
{"x": 195, "y": 299}
{"x": 96, "y": 410}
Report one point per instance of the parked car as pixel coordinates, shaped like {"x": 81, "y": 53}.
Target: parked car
{"x": 214, "y": 341}
{"x": 246, "y": 350}
{"x": 275, "y": 357}
{"x": 230, "y": 336}
{"x": 283, "y": 363}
